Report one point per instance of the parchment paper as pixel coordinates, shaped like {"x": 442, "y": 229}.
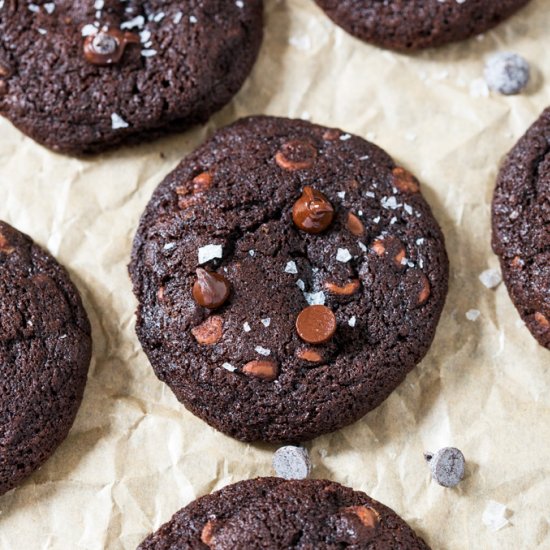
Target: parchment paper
{"x": 135, "y": 456}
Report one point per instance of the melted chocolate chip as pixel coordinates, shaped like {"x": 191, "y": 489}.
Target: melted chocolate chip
{"x": 210, "y": 290}
{"x": 312, "y": 212}
{"x": 107, "y": 46}
{"x": 316, "y": 324}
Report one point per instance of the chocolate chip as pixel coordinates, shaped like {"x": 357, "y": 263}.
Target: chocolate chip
{"x": 309, "y": 355}
{"x": 316, "y": 324}
{"x": 345, "y": 290}
{"x": 265, "y": 370}
{"x": 312, "y": 212}
{"x": 296, "y": 155}
{"x": 107, "y": 46}
{"x": 355, "y": 225}
{"x": 210, "y": 290}
{"x": 209, "y": 332}
{"x": 507, "y": 73}
{"x": 393, "y": 248}
{"x": 209, "y": 531}
{"x": 356, "y": 525}
{"x": 404, "y": 181}
{"x": 447, "y": 466}
{"x": 291, "y": 462}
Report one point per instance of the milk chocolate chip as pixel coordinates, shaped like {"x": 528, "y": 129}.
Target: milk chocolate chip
{"x": 405, "y": 181}
{"x": 265, "y": 370}
{"x": 312, "y": 212}
{"x": 296, "y": 155}
{"x": 210, "y": 290}
{"x": 107, "y": 46}
{"x": 316, "y": 324}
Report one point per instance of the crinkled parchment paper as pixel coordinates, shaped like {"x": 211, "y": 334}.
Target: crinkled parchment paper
{"x": 135, "y": 455}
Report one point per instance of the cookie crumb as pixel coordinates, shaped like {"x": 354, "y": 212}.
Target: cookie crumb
{"x": 447, "y": 466}
{"x": 507, "y": 73}
{"x": 291, "y": 462}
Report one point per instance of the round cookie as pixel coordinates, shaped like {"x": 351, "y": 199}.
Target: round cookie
{"x": 407, "y": 25}
{"x": 80, "y": 77}
{"x": 45, "y": 349}
{"x": 256, "y": 366}
{"x": 274, "y": 513}
{"x": 521, "y": 227}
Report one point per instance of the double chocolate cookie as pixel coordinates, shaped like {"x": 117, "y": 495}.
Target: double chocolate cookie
{"x": 271, "y": 513}
{"x": 521, "y": 227}
{"x": 289, "y": 276}
{"x": 80, "y": 77}
{"x": 45, "y": 349}
{"x": 407, "y": 25}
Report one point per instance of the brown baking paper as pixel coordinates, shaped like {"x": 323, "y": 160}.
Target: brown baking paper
{"x": 135, "y": 455}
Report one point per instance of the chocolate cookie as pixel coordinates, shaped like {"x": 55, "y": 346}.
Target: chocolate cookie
{"x": 407, "y": 25}
{"x": 80, "y": 77}
{"x": 289, "y": 276}
{"x": 521, "y": 227}
{"x": 271, "y": 513}
{"x": 45, "y": 349}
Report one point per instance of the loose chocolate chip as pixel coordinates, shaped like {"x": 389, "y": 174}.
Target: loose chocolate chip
{"x": 447, "y": 466}
{"x": 296, "y": 155}
{"x": 107, "y": 46}
{"x": 507, "y": 73}
{"x": 210, "y": 290}
{"x": 404, "y": 181}
{"x": 291, "y": 462}
{"x": 312, "y": 212}
{"x": 316, "y": 324}
{"x": 265, "y": 370}
{"x": 209, "y": 332}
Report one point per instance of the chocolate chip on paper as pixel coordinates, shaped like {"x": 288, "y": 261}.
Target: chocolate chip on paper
{"x": 291, "y": 462}
{"x": 447, "y": 466}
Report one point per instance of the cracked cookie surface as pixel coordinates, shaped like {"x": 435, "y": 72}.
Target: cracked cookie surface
{"x": 376, "y": 277}
{"x": 157, "y": 66}
{"x": 45, "y": 349}
{"x": 408, "y": 25}
{"x": 521, "y": 227}
{"x": 274, "y": 513}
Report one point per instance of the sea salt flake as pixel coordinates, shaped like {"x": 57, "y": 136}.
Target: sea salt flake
{"x": 291, "y": 267}
{"x": 148, "y": 53}
{"x": 262, "y": 351}
{"x": 362, "y": 246}
{"x": 473, "y": 314}
{"x": 138, "y": 22}
{"x": 118, "y": 122}
{"x": 345, "y": 137}
{"x": 343, "y": 255}
{"x": 209, "y": 252}
{"x": 159, "y": 17}
{"x": 229, "y": 367}
{"x": 88, "y": 30}
{"x": 49, "y": 7}
{"x": 352, "y": 321}
{"x": 246, "y": 327}
{"x": 370, "y": 194}
{"x": 239, "y": 4}
{"x": 34, "y": 8}
{"x": 420, "y": 241}
{"x": 494, "y": 516}
{"x": 252, "y": 252}
{"x": 192, "y": 19}
{"x": 300, "y": 284}
{"x": 491, "y": 278}
{"x": 389, "y": 202}
{"x": 266, "y": 322}
{"x": 341, "y": 194}
{"x": 169, "y": 246}
{"x": 178, "y": 17}
{"x": 42, "y": 31}
{"x": 408, "y": 209}
{"x": 315, "y": 298}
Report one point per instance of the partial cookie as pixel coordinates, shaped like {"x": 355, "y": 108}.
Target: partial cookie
{"x": 521, "y": 227}
{"x": 408, "y": 25}
{"x": 45, "y": 349}
{"x": 289, "y": 276}
{"x": 80, "y": 77}
{"x": 271, "y": 513}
